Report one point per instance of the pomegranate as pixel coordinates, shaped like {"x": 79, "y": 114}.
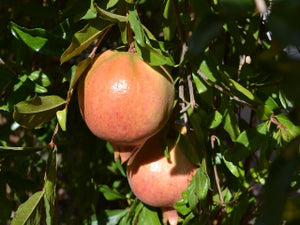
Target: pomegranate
{"x": 159, "y": 181}
{"x": 125, "y": 101}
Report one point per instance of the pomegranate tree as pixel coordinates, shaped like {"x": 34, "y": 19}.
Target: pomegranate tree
{"x": 157, "y": 180}
{"x": 125, "y": 101}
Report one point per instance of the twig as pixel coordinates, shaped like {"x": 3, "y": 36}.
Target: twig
{"x": 279, "y": 125}
{"x": 182, "y": 100}
{"x": 92, "y": 54}
{"x": 223, "y": 90}
{"x": 212, "y": 139}
{"x": 191, "y": 91}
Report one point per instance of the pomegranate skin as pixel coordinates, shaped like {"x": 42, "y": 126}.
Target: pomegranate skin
{"x": 156, "y": 180}
{"x": 125, "y": 101}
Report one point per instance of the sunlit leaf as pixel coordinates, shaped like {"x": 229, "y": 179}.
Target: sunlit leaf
{"x": 28, "y": 213}
{"x": 169, "y": 23}
{"x": 111, "y": 16}
{"x": 37, "y": 111}
{"x": 82, "y": 39}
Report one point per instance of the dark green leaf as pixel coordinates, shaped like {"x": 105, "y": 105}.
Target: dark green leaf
{"x": 37, "y": 111}
{"x": 189, "y": 150}
{"x": 39, "y": 40}
{"x": 247, "y": 143}
{"x": 50, "y": 187}
{"x": 80, "y": 69}
{"x": 110, "y": 194}
{"x": 230, "y": 124}
{"x": 20, "y": 150}
{"x": 28, "y": 212}
{"x": 278, "y": 184}
{"x": 137, "y": 27}
{"x": 112, "y": 217}
{"x": 206, "y": 30}
{"x": 96, "y": 28}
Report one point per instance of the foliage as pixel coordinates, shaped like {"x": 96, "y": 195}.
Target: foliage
{"x": 236, "y": 66}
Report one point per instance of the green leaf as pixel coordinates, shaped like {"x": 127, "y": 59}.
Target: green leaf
{"x": 96, "y": 28}
{"x": 198, "y": 188}
{"x": 236, "y": 170}
{"x": 37, "y": 111}
{"x": 50, "y": 187}
{"x": 216, "y": 119}
{"x": 62, "y": 118}
{"x": 169, "y": 21}
{"x": 137, "y": 27}
{"x": 187, "y": 147}
{"x": 200, "y": 86}
{"x": 111, "y": 217}
{"x": 242, "y": 90}
{"x": 206, "y": 30}
{"x": 20, "y": 150}
{"x": 28, "y": 212}
{"x": 278, "y": 183}
{"x": 114, "y": 18}
{"x": 110, "y": 194}
{"x": 39, "y": 40}
{"x": 148, "y": 217}
{"x": 289, "y": 131}
{"x": 91, "y": 13}
{"x": 182, "y": 207}
{"x": 230, "y": 124}
{"x": 247, "y": 143}
{"x": 80, "y": 69}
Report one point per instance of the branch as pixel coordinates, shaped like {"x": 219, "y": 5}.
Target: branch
{"x": 212, "y": 139}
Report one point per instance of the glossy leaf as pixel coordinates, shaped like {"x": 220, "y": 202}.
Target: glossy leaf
{"x": 37, "y": 111}
{"x": 82, "y": 39}
{"x": 28, "y": 212}
{"x": 39, "y": 40}
{"x": 216, "y": 119}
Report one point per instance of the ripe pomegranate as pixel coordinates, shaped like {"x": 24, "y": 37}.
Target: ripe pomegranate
{"x": 159, "y": 181}
{"x": 125, "y": 101}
